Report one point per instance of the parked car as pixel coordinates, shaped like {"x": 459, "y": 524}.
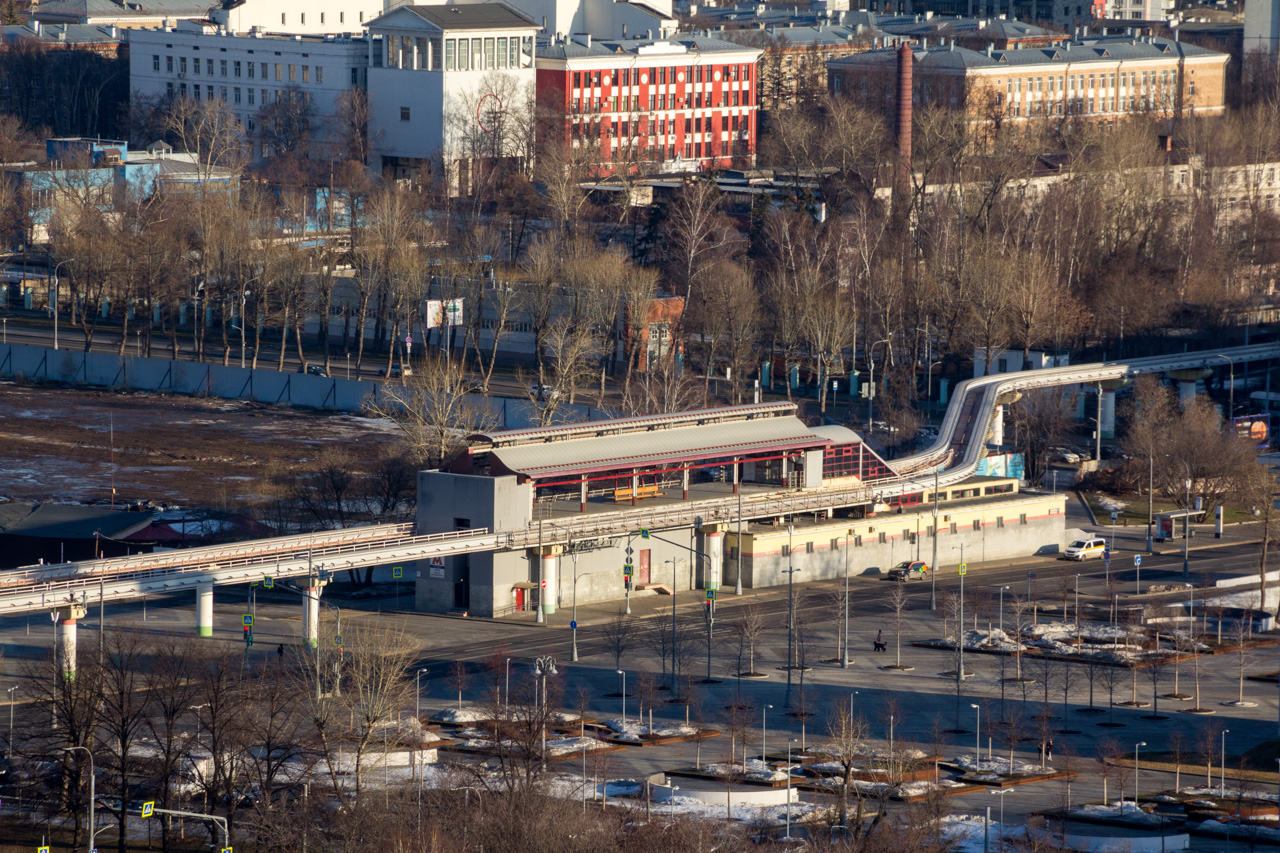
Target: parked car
{"x": 1086, "y": 549}
{"x": 313, "y": 369}
{"x": 909, "y": 570}
{"x": 544, "y": 392}
{"x": 1063, "y": 454}
{"x": 396, "y": 371}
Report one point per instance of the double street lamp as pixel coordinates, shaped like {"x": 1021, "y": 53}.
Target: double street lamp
{"x": 93, "y": 795}
{"x": 57, "y": 267}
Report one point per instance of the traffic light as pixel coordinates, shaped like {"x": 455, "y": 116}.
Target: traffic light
{"x": 248, "y": 636}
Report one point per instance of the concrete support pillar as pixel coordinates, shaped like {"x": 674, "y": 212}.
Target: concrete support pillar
{"x": 66, "y": 638}
{"x": 1186, "y": 393}
{"x": 684, "y": 484}
{"x": 1108, "y": 414}
{"x": 547, "y": 595}
{"x": 997, "y": 426}
{"x": 713, "y": 544}
{"x": 204, "y": 610}
{"x": 311, "y": 614}
{"x": 582, "y": 497}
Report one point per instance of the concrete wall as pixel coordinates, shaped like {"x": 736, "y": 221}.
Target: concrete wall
{"x": 133, "y": 373}
{"x": 882, "y": 542}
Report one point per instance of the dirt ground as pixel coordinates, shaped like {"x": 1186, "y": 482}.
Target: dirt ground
{"x": 56, "y": 445}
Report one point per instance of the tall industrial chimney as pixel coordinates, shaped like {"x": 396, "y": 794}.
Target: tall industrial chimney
{"x": 905, "y": 59}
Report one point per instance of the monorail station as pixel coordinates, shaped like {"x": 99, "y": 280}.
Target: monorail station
{"x": 602, "y": 510}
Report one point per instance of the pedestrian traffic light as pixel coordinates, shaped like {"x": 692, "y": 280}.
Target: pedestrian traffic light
{"x": 248, "y": 636}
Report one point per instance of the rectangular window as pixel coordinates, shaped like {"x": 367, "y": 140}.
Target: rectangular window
{"x": 195, "y": 66}
{"x": 182, "y": 89}
{"x": 502, "y": 54}
{"x": 786, "y": 550}
{"x": 236, "y": 68}
{"x": 264, "y": 98}
{"x": 223, "y": 68}
{"x": 448, "y": 54}
{"x": 306, "y": 74}
{"x": 953, "y": 527}
{"x": 223, "y": 93}
{"x": 319, "y": 73}
{"x": 322, "y": 17}
{"x": 835, "y": 544}
{"x": 168, "y": 89}
{"x": 808, "y": 547}
{"x": 342, "y": 17}
{"x": 404, "y": 113}
{"x": 282, "y": 21}
{"x": 977, "y": 524}
{"x": 278, "y": 71}
{"x": 489, "y": 61}
{"x": 250, "y": 91}
{"x": 477, "y": 55}
{"x": 999, "y": 521}
{"x": 168, "y": 64}
{"x": 292, "y": 78}
{"x": 513, "y": 53}
{"x": 303, "y": 18}
{"x": 155, "y": 62}
{"x": 1022, "y": 518}
{"x": 652, "y": 101}
{"x": 209, "y": 66}
{"x": 464, "y": 54}
{"x": 883, "y": 537}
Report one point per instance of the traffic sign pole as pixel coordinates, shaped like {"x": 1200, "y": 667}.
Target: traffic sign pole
{"x": 1137, "y": 581}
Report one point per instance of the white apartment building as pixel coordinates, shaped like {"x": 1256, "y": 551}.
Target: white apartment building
{"x": 604, "y": 19}
{"x": 1262, "y": 26}
{"x": 455, "y": 86}
{"x": 249, "y": 71}
{"x": 1134, "y": 10}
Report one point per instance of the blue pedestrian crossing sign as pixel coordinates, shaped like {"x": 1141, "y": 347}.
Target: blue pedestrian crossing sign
{"x": 337, "y": 639}
{"x": 644, "y": 533}
{"x": 711, "y": 595}
{"x": 397, "y": 572}
{"x": 628, "y": 570}
{"x": 42, "y": 850}
{"x": 148, "y": 809}
{"x": 247, "y": 620}
{"x": 1137, "y": 559}
{"x": 269, "y": 582}
{"x": 964, "y": 567}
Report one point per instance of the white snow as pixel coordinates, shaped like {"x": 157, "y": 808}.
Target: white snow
{"x": 996, "y": 766}
{"x": 1126, "y": 811}
{"x": 755, "y": 770}
{"x": 636, "y": 731}
{"x": 461, "y": 715}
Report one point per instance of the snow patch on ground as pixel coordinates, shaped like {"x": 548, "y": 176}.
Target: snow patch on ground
{"x": 636, "y": 731}
{"x": 755, "y": 770}
{"x": 1000, "y": 766}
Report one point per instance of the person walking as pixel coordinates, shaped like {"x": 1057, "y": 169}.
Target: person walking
{"x": 880, "y": 640}
{"x": 1048, "y": 751}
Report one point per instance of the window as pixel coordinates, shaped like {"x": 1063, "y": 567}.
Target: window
{"x": 168, "y": 89}
{"x": 489, "y": 61}
{"x": 786, "y": 550}
{"x": 319, "y": 73}
{"x": 223, "y": 93}
{"x": 292, "y": 78}
{"x": 449, "y": 54}
{"x": 209, "y": 66}
{"x": 502, "y": 53}
{"x": 477, "y": 55}
{"x": 953, "y": 527}
{"x": 195, "y": 65}
{"x": 236, "y": 68}
{"x": 250, "y": 91}
{"x": 182, "y": 65}
{"x": 282, "y": 18}
{"x": 464, "y": 54}
{"x": 155, "y": 62}
{"x": 306, "y": 74}
{"x": 999, "y": 521}
{"x": 362, "y": 17}
{"x": 652, "y": 101}
{"x": 277, "y": 70}
{"x": 513, "y": 53}
{"x": 977, "y": 524}
{"x": 835, "y": 544}
{"x": 342, "y": 17}
{"x": 883, "y": 537}
{"x": 168, "y": 64}
{"x": 1022, "y": 518}
{"x": 322, "y": 17}
{"x": 182, "y": 87}
{"x": 404, "y": 113}
{"x": 808, "y": 547}
{"x": 223, "y": 68}
{"x": 208, "y": 93}
{"x": 264, "y": 98}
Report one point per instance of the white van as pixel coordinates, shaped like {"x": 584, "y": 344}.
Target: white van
{"x": 1086, "y": 549}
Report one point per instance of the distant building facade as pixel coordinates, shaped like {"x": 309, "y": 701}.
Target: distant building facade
{"x": 686, "y": 102}
{"x": 1103, "y": 78}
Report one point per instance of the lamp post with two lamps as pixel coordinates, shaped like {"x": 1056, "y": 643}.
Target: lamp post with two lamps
{"x": 93, "y": 796}
{"x": 764, "y": 732}
{"x": 1002, "y": 794}
{"x": 57, "y": 267}
{"x": 1135, "y": 774}
{"x": 417, "y": 693}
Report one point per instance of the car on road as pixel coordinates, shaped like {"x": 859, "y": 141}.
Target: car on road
{"x": 909, "y": 570}
{"x": 1086, "y": 549}
{"x": 544, "y": 392}
{"x": 1063, "y": 454}
{"x": 313, "y": 370}
{"x": 396, "y": 371}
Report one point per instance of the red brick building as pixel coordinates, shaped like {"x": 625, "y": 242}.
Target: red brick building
{"x": 687, "y": 102}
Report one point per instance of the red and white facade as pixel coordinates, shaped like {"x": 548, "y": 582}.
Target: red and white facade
{"x": 686, "y": 102}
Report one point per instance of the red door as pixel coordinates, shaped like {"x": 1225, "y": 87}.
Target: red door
{"x": 642, "y": 573}
{"x": 520, "y": 600}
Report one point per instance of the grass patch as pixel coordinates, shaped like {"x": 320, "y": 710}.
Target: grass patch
{"x": 1135, "y": 511}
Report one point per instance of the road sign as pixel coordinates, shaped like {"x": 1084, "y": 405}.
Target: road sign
{"x": 148, "y": 809}
{"x": 269, "y": 582}
{"x": 247, "y": 620}
{"x": 1106, "y": 554}
{"x": 628, "y": 570}
{"x": 1114, "y": 515}
{"x": 1137, "y": 559}
{"x": 964, "y": 567}
{"x": 42, "y": 850}
{"x": 573, "y": 624}
{"x": 629, "y": 552}
{"x": 437, "y": 562}
{"x": 1031, "y": 576}
{"x": 397, "y": 572}
{"x": 644, "y": 533}
{"x": 227, "y": 850}
{"x": 711, "y": 595}
{"x": 337, "y": 639}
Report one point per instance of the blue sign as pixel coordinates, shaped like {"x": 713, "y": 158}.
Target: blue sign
{"x": 1137, "y": 559}
{"x": 1106, "y": 554}
{"x": 1114, "y": 515}
{"x": 573, "y": 626}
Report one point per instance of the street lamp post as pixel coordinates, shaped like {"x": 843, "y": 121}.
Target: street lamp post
{"x": 57, "y": 267}
{"x": 1151, "y": 475}
{"x": 93, "y": 795}
{"x": 673, "y": 627}
{"x": 417, "y": 691}
{"x": 11, "y": 691}
{"x": 1231, "y": 392}
{"x": 764, "y": 732}
{"x": 933, "y": 568}
{"x": 871, "y": 390}
{"x": 543, "y": 667}
{"x": 624, "y": 695}
{"x": 789, "y": 742}
{"x": 508, "y": 687}
{"x": 1135, "y": 775}
{"x": 1222, "y": 774}
{"x": 844, "y": 652}
{"x": 1002, "y": 590}
{"x": 1186, "y": 525}
{"x": 1001, "y": 794}
{"x": 977, "y": 734}
{"x": 791, "y": 607}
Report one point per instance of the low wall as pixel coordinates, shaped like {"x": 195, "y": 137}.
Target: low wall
{"x": 201, "y": 379}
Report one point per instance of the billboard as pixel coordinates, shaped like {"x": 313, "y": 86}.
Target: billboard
{"x": 435, "y": 313}
{"x": 1256, "y": 429}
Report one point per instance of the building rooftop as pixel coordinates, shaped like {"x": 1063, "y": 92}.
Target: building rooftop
{"x": 76, "y": 35}
{"x": 930, "y": 56}
{"x": 68, "y": 522}
{"x": 482, "y": 16}
{"x": 85, "y": 11}
{"x": 682, "y": 43}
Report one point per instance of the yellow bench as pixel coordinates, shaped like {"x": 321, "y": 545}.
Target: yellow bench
{"x": 620, "y": 495}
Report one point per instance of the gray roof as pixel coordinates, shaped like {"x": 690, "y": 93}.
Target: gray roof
{"x": 87, "y": 10}
{"x": 692, "y": 43}
{"x": 472, "y": 16}
{"x": 1101, "y": 49}
{"x": 820, "y": 35}
{"x": 73, "y": 34}
{"x": 58, "y": 521}
{"x": 640, "y": 449}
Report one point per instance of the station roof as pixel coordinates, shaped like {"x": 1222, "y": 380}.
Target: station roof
{"x": 641, "y": 442}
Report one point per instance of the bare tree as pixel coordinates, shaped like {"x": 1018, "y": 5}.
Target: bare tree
{"x": 620, "y": 636}
{"x": 847, "y": 747}
{"x": 897, "y": 604}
